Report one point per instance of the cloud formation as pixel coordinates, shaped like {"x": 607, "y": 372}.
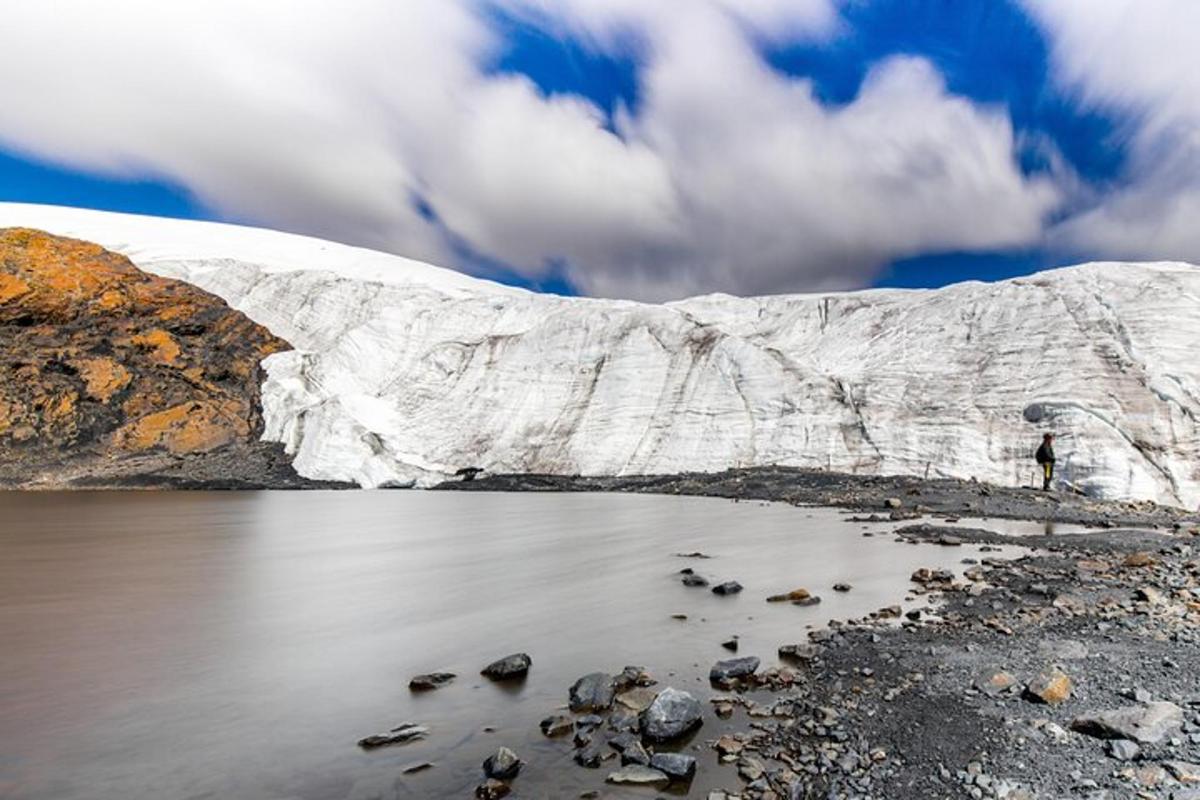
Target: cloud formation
{"x": 333, "y": 119}
{"x": 1139, "y": 61}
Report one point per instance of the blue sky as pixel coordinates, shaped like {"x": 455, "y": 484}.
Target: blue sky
{"x": 1070, "y": 150}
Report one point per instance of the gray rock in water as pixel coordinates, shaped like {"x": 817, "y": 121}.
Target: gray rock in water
{"x": 842, "y": 587}
{"x": 730, "y": 644}
{"x": 592, "y": 692}
{"x": 492, "y": 789}
{"x": 637, "y": 775}
{"x": 635, "y": 753}
{"x": 1123, "y": 749}
{"x": 799, "y": 652}
{"x": 672, "y": 714}
{"x": 401, "y": 734}
{"x": 557, "y": 725}
{"x": 592, "y": 754}
{"x": 675, "y": 765}
{"x": 432, "y": 680}
{"x": 723, "y": 672}
{"x": 695, "y": 580}
{"x": 502, "y": 765}
{"x": 1147, "y": 724}
{"x": 729, "y": 587}
{"x": 514, "y": 666}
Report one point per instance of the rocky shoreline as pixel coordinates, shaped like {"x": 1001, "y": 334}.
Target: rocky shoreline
{"x": 1069, "y": 671}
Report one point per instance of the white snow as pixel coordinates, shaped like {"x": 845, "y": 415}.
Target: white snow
{"x": 404, "y": 372}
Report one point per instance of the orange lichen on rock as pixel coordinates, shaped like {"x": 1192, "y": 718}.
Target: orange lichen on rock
{"x": 102, "y": 361}
{"x": 161, "y": 346}
{"x": 186, "y": 428}
{"x": 102, "y": 377}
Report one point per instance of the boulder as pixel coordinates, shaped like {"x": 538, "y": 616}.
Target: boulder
{"x": 637, "y": 775}
{"x": 509, "y": 667}
{"x": 676, "y": 766}
{"x": 1145, "y": 724}
{"x": 729, "y": 670}
{"x": 729, "y": 587}
{"x": 502, "y": 765}
{"x": 592, "y": 692}
{"x": 672, "y": 714}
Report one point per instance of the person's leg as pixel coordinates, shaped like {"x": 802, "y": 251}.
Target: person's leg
{"x": 1047, "y": 471}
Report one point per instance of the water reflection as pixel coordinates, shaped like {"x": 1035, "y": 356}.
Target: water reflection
{"x": 177, "y": 645}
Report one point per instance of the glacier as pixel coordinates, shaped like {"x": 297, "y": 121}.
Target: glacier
{"x": 404, "y": 372}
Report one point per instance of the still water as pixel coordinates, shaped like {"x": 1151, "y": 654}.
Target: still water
{"x": 237, "y": 645}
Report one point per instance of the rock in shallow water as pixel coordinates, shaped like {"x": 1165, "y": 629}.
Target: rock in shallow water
{"x": 729, "y": 587}
{"x": 592, "y": 692}
{"x": 401, "y": 734}
{"x": 724, "y": 672}
{"x": 558, "y": 725}
{"x": 672, "y": 714}
{"x": 502, "y": 765}
{"x": 432, "y": 680}
{"x": 675, "y": 765}
{"x": 492, "y": 789}
{"x": 694, "y": 580}
{"x": 637, "y": 775}
{"x": 514, "y": 666}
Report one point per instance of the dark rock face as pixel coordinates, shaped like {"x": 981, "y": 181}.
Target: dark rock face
{"x": 107, "y": 371}
{"x": 593, "y": 692}
{"x": 509, "y": 667}
{"x": 672, "y": 714}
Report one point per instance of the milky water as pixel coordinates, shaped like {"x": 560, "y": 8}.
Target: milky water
{"x": 237, "y": 645}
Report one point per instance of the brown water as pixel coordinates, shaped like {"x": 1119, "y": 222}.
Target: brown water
{"x": 237, "y": 645}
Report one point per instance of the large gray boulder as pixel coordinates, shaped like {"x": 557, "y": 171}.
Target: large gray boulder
{"x": 592, "y": 692}
{"x": 1146, "y": 724}
{"x": 672, "y": 714}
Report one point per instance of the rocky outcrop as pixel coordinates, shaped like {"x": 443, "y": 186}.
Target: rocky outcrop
{"x": 108, "y": 373}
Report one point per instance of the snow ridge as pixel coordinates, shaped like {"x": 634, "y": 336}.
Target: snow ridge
{"x": 405, "y": 380}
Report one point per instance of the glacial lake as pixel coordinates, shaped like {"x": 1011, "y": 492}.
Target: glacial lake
{"x": 237, "y": 645}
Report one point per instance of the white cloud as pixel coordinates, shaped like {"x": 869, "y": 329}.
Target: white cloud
{"x": 329, "y": 118}
{"x": 1140, "y": 61}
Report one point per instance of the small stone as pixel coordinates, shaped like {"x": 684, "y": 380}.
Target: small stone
{"x": 892, "y": 502}
{"x": 799, "y": 652}
{"x": 635, "y": 753}
{"x": 592, "y": 754}
{"x": 994, "y": 681}
{"x": 401, "y": 734}
{"x": 1122, "y": 749}
{"x": 794, "y": 596}
{"x": 694, "y": 580}
{"x": 676, "y": 766}
{"x": 502, "y": 765}
{"x": 842, "y": 587}
{"x": 433, "y": 680}
{"x": 637, "y": 775}
{"x": 1052, "y": 686}
{"x": 730, "y": 644}
{"x": 492, "y": 789}
{"x": 728, "y": 746}
{"x": 1183, "y": 771}
{"x": 509, "y": 667}
{"x": 557, "y": 725}
{"x": 724, "y": 672}
{"x": 729, "y": 587}
{"x": 637, "y": 699}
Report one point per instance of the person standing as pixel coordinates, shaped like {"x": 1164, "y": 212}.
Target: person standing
{"x": 1045, "y": 457}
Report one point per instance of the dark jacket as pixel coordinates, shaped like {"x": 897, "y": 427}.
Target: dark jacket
{"x": 1045, "y": 453}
